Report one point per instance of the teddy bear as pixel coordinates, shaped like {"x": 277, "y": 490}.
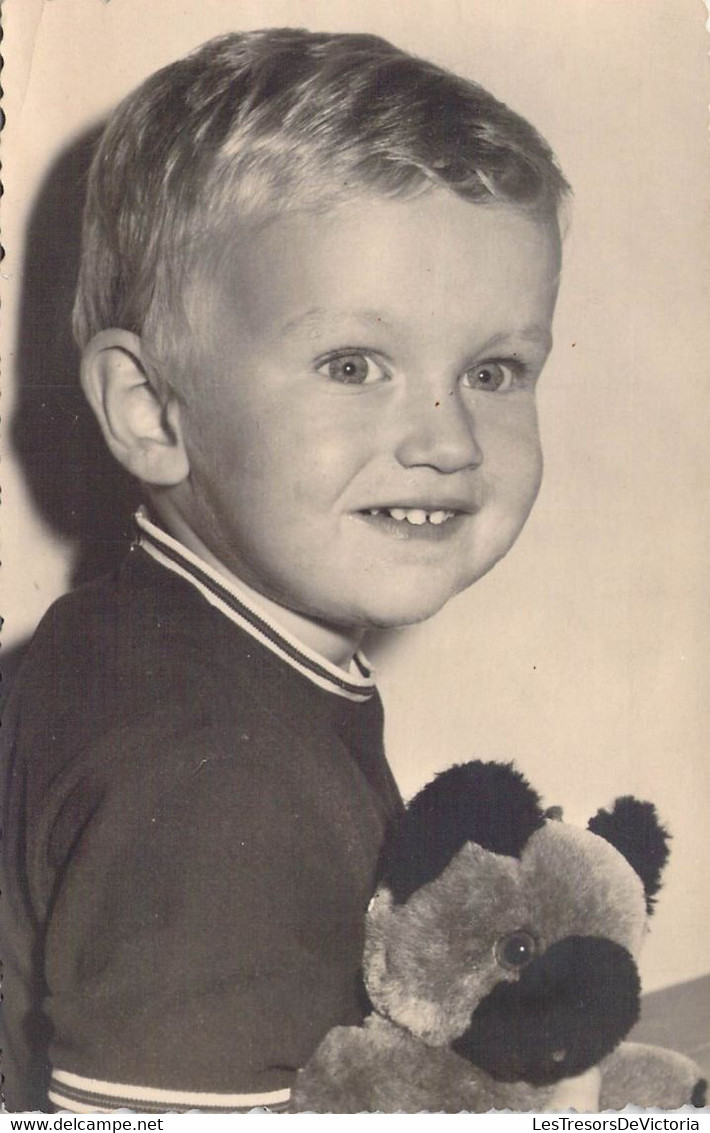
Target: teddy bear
{"x": 500, "y": 959}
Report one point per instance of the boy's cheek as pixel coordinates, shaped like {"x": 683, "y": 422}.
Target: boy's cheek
{"x": 512, "y": 457}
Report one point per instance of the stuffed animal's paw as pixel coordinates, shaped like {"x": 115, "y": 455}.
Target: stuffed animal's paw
{"x": 652, "y": 1077}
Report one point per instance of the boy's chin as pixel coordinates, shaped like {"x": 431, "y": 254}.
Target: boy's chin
{"x": 398, "y": 608}
{"x": 399, "y": 612}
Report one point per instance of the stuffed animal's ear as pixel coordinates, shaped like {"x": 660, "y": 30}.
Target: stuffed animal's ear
{"x": 634, "y": 829}
{"x": 487, "y": 803}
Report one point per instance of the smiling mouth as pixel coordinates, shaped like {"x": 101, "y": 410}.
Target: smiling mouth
{"x": 416, "y": 516}
{"x": 415, "y": 524}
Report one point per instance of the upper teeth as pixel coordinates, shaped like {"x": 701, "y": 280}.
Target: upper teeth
{"x": 415, "y": 515}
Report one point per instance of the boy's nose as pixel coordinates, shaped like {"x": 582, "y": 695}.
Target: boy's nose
{"x": 439, "y": 433}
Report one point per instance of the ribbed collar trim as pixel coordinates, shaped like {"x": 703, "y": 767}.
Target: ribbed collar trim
{"x": 228, "y": 597}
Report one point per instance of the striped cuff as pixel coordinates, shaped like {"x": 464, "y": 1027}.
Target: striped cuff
{"x": 77, "y": 1094}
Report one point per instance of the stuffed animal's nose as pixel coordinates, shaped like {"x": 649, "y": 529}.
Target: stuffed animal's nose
{"x": 570, "y": 1007}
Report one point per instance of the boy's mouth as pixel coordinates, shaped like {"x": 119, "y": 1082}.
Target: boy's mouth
{"x": 416, "y": 523}
{"x": 417, "y": 516}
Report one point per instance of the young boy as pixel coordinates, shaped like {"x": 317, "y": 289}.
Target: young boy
{"x": 317, "y": 285}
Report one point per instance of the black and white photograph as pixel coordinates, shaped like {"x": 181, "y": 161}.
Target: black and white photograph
{"x": 355, "y": 549}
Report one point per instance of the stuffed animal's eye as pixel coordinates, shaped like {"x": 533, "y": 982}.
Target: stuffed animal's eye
{"x": 516, "y": 950}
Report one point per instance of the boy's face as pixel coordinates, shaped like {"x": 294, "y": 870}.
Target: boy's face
{"x": 363, "y": 436}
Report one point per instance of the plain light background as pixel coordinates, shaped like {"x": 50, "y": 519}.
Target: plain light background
{"x": 584, "y": 655}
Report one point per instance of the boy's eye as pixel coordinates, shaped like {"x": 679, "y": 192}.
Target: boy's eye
{"x": 495, "y": 376}
{"x": 354, "y": 369}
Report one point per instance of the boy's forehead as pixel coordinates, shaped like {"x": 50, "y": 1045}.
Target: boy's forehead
{"x": 375, "y": 262}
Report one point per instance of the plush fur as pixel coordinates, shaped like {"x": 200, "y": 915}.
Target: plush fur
{"x": 634, "y": 829}
{"x": 500, "y": 959}
{"x": 487, "y": 803}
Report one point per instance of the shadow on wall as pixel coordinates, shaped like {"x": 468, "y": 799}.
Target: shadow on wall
{"x": 75, "y": 484}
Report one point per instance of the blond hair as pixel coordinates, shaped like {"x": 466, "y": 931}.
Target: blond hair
{"x": 254, "y": 124}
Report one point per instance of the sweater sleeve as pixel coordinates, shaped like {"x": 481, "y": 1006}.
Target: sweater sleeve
{"x": 205, "y": 924}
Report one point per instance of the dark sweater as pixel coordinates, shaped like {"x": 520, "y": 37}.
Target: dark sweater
{"x": 192, "y": 831}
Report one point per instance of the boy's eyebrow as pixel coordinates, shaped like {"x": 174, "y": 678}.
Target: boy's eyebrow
{"x": 540, "y": 335}
{"x": 319, "y": 314}
{"x": 537, "y": 334}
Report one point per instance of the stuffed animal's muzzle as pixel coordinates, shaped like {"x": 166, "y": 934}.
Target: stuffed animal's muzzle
{"x": 567, "y": 1010}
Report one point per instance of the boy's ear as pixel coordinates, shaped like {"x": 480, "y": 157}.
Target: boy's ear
{"x": 142, "y": 429}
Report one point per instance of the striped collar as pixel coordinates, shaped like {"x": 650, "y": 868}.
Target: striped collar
{"x": 226, "y": 595}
